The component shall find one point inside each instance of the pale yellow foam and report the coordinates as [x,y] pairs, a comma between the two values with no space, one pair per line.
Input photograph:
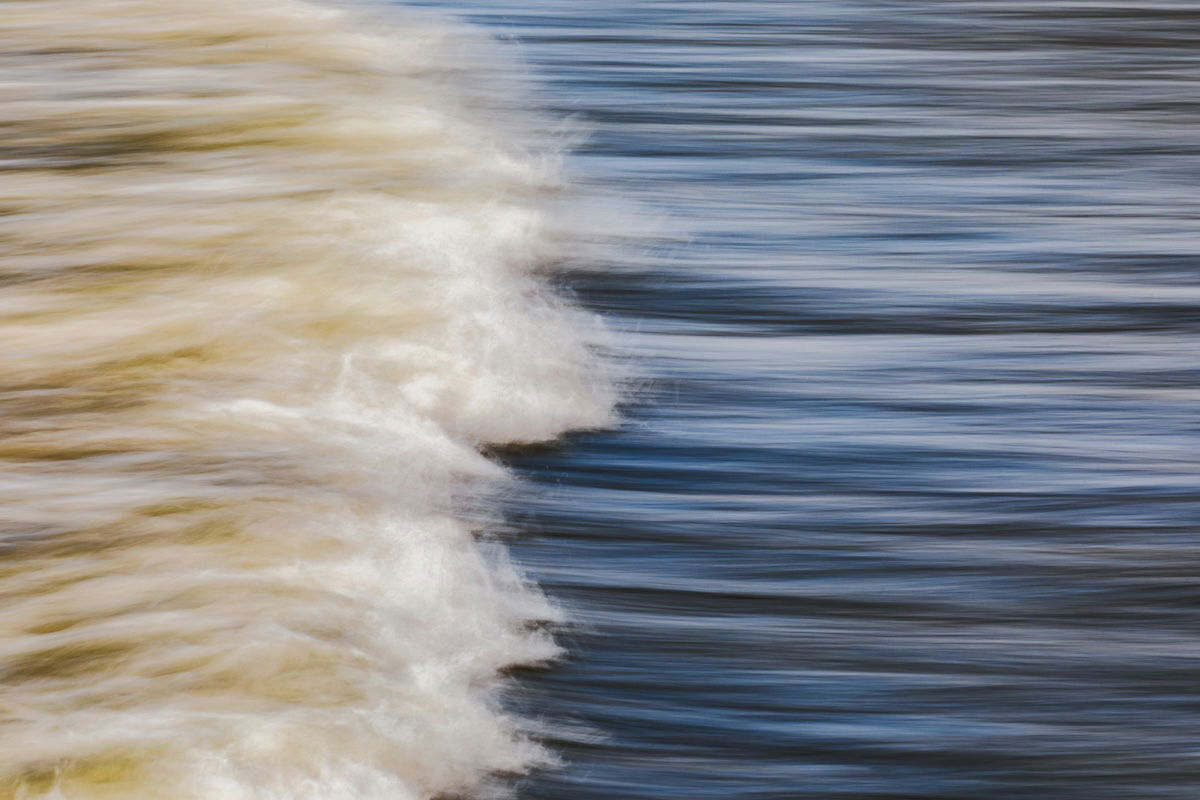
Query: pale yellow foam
[268,284]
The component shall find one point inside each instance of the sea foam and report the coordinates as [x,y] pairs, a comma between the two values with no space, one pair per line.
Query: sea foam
[273,276]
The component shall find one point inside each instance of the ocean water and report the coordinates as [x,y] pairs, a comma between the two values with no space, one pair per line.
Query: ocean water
[906,505]
[874,321]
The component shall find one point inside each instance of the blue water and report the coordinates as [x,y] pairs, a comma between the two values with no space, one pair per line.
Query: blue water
[905,503]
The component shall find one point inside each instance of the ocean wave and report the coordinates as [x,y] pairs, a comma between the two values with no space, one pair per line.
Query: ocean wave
[273,274]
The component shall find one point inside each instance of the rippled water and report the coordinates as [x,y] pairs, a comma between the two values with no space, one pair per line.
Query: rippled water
[908,505]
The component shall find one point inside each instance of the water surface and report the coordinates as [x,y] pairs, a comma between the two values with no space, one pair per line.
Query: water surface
[903,500]
[908,505]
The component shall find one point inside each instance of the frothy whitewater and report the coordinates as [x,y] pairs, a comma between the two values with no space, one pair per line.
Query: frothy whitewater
[271,279]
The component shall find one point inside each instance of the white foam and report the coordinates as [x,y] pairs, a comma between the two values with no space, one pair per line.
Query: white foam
[273,281]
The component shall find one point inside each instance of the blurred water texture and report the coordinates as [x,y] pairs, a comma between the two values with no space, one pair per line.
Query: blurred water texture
[908,506]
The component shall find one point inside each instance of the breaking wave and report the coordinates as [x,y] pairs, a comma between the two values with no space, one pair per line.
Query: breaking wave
[272,277]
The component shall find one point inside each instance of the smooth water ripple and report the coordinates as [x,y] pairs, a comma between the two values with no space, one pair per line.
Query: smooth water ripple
[908,505]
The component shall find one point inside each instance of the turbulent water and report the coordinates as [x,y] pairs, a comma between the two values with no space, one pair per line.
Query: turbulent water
[270,281]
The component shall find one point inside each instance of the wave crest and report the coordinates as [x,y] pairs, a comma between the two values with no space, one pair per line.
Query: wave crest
[271,279]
